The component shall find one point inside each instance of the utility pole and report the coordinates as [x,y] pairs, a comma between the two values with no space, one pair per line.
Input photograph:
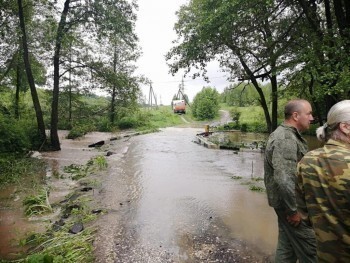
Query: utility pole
[181,92]
[152,96]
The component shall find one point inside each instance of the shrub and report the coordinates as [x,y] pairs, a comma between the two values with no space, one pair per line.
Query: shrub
[13,137]
[206,104]
[12,168]
[254,127]
[104,125]
[128,122]
[76,132]
[235,114]
[79,130]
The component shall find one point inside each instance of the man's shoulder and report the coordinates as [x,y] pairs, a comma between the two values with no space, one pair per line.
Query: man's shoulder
[283,133]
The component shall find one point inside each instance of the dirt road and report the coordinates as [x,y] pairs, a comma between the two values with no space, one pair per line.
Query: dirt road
[170,200]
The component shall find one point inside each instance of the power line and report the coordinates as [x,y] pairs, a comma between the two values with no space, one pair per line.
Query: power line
[177,81]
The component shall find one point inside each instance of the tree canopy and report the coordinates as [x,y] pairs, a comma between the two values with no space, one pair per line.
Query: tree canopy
[71,46]
[279,42]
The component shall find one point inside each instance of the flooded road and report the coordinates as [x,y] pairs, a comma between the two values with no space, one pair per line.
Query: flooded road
[167,199]
[171,200]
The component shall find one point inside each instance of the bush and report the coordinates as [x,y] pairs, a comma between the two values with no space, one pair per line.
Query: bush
[13,137]
[254,127]
[128,122]
[79,130]
[235,114]
[206,104]
[12,168]
[104,125]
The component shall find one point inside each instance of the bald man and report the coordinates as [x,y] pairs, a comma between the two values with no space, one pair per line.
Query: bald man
[284,149]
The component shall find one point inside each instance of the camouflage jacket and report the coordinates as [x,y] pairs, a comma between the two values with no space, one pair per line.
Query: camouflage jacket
[284,149]
[323,194]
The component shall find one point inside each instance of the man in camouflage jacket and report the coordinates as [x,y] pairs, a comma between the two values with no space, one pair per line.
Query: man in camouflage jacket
[323,186]
[284,148]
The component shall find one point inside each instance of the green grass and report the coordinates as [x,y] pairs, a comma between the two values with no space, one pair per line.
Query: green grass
[37,204]
[80,171]
[251,119]
[255,188]
[159,118]
[14,168]
[59,245]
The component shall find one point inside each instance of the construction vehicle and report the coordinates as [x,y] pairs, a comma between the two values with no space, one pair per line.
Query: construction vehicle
[179,106]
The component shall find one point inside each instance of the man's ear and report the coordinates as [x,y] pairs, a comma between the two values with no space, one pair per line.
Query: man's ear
[295,116]
[344,127]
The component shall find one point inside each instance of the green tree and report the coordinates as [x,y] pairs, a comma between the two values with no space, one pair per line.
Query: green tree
[251,39]
[243,95]
[323,54]
[121,86]
[30,76]
[104,18]
[206,104]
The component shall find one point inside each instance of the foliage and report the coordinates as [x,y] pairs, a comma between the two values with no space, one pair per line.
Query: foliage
[101,162]
[13,168]
[77,171]
[37,204]
[324,54]
[79,131]
[128,122]
[159,118]
[109,24]
[244,95]
[150,119]
[303,45]
[16,136]
[235,114]
[256,188]
[58,245]
[206,104]
[81,171]
[253,43]
[250,119]
[61,246]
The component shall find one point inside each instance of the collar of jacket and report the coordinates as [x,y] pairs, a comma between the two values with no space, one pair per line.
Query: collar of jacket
[338,143]
[294,130]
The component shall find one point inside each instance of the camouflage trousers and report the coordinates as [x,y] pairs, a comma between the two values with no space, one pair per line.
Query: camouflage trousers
[294,243]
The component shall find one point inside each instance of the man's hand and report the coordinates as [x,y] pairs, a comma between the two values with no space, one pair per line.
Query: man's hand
[294,219]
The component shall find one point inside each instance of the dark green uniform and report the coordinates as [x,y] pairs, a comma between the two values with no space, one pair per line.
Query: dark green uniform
[285,147]
[323,194]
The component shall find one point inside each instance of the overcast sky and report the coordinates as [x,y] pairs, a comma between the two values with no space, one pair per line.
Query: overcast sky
[154,27]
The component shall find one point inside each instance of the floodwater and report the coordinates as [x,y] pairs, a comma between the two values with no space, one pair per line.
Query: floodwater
[14,225]
[168,200]
[185,203]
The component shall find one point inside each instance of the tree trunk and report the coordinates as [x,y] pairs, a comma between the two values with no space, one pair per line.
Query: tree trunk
[112,113]
[55,142]
[36,103]
[18,85]
[114,90]
[261,94]
[342,14]
[70,95]
[274,113]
